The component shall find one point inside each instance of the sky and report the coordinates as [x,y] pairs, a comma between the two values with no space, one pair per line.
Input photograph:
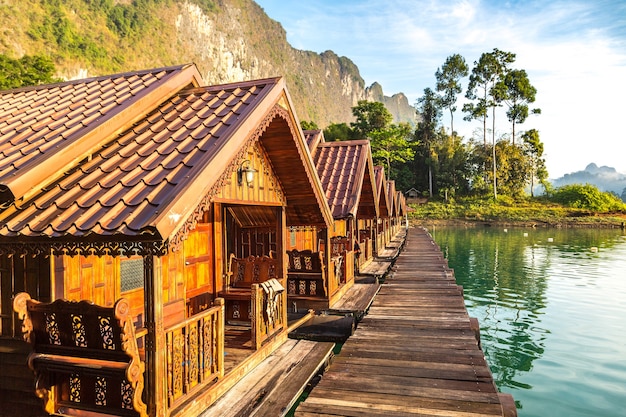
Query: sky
[574,52]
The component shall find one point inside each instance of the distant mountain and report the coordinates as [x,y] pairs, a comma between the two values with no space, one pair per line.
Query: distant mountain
[605,178]
[229,41]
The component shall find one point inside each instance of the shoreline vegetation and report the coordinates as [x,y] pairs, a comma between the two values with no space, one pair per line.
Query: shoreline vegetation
[531,213]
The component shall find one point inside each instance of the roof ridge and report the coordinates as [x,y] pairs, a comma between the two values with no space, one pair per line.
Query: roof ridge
[345,143]
[231,85]
[92,79]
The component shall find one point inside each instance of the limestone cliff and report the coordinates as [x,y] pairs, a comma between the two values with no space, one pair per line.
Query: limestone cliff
[229,40]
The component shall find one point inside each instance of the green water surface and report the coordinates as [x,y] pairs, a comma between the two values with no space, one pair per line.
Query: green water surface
[552,309]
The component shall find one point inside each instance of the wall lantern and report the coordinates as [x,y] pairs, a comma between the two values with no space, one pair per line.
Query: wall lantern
[245,171]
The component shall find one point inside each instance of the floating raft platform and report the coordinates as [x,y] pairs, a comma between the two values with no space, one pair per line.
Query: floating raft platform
[274,386]
[338,322]
[416,352]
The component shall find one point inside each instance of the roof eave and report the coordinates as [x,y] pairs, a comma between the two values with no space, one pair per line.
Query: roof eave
[36,175]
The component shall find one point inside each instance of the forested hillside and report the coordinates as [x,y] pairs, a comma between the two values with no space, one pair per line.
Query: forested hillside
[229,40]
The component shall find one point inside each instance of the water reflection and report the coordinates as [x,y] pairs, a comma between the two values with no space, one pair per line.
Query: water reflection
[541,299]
[504,287]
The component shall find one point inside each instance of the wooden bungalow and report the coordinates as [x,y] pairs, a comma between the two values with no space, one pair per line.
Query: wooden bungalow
[412,193]
[346,171]
[401,210]
[384,209]
[166,205]
[393,220]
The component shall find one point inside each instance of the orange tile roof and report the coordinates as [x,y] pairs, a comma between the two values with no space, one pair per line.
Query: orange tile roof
[346,172]
[400,204]
[381,195]
[313,138]
[150,176]
[45,128]
[391,196]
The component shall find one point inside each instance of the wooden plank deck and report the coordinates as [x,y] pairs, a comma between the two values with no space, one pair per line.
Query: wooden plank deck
[274,386]
[415,353]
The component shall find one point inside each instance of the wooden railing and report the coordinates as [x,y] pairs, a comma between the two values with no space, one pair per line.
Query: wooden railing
[269,302]
[195,353]
[335,273]
[306,275]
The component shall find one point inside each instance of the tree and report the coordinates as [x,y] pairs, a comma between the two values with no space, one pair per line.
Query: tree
[484,88]
[308,125]
[391,145]
[338,131]
[26,71]
[533,148]
[452,169]
[517,93]
[429,108]
[515,169]
[448,83]
[479,157]
[587,197]
[370,116]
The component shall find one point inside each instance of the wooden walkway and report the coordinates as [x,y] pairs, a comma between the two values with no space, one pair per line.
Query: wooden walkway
[415,353]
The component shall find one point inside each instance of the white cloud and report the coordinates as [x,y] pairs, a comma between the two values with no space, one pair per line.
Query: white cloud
[574,53]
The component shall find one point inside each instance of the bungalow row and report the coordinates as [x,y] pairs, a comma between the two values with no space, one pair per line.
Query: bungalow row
[192,219]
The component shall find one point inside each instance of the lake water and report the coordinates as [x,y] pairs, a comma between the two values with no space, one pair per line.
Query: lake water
[552,310]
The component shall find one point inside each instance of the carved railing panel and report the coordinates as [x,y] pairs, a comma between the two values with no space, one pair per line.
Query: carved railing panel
[195,353]
[268,307]
[334,273]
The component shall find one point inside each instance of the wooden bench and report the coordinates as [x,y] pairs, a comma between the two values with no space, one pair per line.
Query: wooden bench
[242,273]
[305,274]
[84,357]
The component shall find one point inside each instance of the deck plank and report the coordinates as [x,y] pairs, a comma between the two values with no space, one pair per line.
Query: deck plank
[274,385]
[415,353]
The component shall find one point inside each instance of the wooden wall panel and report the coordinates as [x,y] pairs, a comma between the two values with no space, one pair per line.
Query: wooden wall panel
[264,188]
[198,261]
[340,228]
[302,238]
[94,278]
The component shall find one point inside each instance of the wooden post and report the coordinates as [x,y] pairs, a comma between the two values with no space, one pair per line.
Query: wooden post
[281,244]
[219,330]
[219,262]
[330,276]
[155,378]
[508,405]
[255,308]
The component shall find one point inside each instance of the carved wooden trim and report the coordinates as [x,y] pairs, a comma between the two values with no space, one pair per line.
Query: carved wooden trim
[225,177]
[74,248]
